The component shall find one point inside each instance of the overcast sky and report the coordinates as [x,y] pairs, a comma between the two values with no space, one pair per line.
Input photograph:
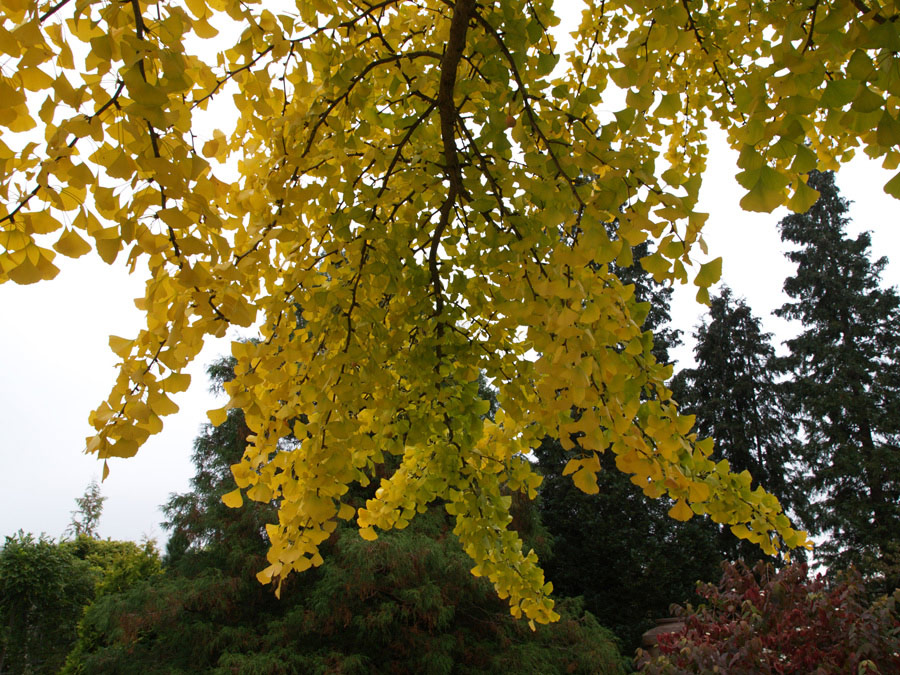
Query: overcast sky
[55,364]
[753,254]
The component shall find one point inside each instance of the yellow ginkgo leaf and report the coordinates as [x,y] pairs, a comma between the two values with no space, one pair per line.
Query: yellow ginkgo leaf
[217,416]
[72,245]
[681,511]
[233,499]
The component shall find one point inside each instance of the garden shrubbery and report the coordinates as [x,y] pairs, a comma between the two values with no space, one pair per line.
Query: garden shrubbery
[760,620]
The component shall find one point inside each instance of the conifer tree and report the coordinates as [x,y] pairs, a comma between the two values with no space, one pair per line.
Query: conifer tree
[203,532]
[86,517]
[846,369]
[734,393]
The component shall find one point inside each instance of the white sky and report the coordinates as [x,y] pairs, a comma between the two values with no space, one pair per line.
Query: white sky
[753,254]
[55,365]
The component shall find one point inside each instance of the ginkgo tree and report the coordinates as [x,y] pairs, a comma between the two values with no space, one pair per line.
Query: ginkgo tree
[425,191]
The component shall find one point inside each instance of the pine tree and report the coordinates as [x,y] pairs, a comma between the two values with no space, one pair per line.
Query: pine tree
[737,400]
[846,369]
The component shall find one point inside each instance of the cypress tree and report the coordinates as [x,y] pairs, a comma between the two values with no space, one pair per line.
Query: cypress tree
[846,385]
[737,400]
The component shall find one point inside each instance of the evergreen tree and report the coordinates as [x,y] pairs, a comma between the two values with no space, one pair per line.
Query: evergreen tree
[734,394]
[846,369]
[618,550]
[203,532]
[86,517]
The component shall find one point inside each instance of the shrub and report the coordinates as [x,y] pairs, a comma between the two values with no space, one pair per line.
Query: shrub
[43,589]
[761,621]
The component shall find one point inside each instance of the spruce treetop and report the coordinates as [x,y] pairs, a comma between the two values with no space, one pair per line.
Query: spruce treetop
[845,383]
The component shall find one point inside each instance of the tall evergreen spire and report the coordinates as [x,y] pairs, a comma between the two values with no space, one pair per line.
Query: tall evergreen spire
[737,400]
[846,370]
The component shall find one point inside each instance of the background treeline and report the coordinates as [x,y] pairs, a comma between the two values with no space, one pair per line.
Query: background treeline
[817,426]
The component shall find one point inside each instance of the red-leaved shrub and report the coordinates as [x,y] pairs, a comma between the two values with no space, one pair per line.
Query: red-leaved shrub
[761,621]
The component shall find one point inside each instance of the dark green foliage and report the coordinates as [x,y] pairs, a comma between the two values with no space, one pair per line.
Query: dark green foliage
[846,385]
[405,603]
[43,588]
[617,549]
[203,531]
[762,621]
[168,625]
[734,394]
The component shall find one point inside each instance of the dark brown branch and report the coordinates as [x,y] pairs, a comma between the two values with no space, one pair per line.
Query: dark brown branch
[50,12]
[486,171]
[456,42]
[120,85]
[154,138]
[693,27]
[702,43]
[231,73]
[400,146]
[216,311]
[71,144]
[268,228]
[463,11]
[363,256]
[434,268]
[812,27]
[876,17]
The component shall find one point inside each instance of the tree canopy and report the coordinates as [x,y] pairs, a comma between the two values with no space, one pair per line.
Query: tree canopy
[736,398]
[43,591]
[410,176]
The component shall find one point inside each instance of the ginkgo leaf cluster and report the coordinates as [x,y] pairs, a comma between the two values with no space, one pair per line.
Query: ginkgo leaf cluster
[425,191]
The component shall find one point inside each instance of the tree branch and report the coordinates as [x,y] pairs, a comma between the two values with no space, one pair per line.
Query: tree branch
[50,12]
[812,27]
[356,80]
[876,17]
[463,11]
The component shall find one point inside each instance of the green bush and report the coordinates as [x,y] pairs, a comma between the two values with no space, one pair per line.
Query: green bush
[43,590]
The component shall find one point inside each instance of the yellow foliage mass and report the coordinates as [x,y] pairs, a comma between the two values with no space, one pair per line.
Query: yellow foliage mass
[437,197]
